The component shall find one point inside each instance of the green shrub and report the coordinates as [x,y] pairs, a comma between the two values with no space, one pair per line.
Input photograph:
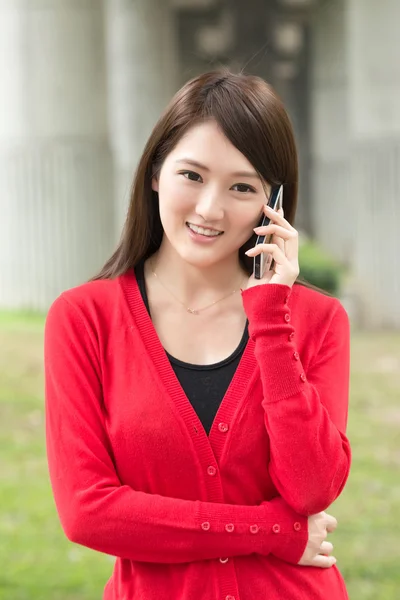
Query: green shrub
[319,268]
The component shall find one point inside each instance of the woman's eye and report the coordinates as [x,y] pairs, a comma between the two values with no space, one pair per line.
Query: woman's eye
[191,175]
[243,188]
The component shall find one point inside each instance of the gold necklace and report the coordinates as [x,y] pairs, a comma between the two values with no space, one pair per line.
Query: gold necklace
[192,311]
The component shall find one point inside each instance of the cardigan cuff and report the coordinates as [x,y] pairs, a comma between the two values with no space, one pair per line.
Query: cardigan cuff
[273,527]
[290,532]
[266,300]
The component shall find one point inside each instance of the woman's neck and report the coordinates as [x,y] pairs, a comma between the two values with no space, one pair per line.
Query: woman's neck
[192,284]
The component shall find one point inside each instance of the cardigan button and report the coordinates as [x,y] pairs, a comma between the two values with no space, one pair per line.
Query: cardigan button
[303,377]
[223,427]
[254,529]
[276,528]
[291,336]
[212,471]
[296,356]
[230,527]
[297,526]
[287,317]
[229,597]
[223,560]
[206,526]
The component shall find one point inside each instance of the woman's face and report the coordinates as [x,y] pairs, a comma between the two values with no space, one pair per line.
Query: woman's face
[210,197]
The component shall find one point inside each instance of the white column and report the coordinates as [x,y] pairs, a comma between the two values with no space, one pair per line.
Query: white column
[55,164]
[142,68]
[374,121]
[356,125]
[331,204]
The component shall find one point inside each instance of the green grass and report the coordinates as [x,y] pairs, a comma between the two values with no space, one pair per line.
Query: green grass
[367,541]
[38,563]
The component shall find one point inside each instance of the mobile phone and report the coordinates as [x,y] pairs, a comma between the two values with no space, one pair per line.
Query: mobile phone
[263,262]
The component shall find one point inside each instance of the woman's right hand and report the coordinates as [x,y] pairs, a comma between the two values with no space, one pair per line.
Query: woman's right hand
[318,552]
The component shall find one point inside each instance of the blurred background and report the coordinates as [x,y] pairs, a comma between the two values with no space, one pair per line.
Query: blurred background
[82,84]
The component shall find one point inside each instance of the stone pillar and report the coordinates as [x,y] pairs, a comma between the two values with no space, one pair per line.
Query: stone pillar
[291,79]
[142,71]
[55,164]
[356,149]
[301,121]
[374,123]
[332,205]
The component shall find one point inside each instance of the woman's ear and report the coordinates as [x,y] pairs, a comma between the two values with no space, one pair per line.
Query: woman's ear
[154,183]
[154,179]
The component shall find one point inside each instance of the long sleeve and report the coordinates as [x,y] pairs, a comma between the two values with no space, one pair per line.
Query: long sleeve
[305,412]
[97,510]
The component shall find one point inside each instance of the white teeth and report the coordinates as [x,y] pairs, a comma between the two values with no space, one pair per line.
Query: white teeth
[202,231]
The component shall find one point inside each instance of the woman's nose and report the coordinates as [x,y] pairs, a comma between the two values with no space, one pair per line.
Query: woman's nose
[209,206]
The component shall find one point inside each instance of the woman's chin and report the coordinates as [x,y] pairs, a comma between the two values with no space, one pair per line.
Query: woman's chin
[201,259]
[199,255]
[200,263]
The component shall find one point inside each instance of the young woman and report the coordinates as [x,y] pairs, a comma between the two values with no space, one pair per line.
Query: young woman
[196,416]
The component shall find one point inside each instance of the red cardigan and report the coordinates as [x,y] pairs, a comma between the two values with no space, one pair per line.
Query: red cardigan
[191,516]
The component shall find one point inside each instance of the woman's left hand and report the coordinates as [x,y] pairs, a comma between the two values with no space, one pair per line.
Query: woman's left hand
[284,250]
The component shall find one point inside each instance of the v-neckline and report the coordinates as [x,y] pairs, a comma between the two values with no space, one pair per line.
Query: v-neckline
[234,394]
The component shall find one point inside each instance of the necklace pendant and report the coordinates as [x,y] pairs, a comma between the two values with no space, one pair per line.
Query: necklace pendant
[192,311]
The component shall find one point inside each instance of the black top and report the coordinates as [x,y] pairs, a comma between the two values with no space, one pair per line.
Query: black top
[204,385]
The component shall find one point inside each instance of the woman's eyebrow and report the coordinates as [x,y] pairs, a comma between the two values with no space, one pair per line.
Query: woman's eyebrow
[195,163]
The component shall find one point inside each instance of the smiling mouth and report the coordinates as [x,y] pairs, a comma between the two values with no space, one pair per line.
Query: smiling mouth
[204,230]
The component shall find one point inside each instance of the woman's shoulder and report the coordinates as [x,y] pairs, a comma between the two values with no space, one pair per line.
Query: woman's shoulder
[95,301]
[95,292]
[315,304]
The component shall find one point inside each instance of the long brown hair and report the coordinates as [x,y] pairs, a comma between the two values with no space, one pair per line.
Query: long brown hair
[254,120]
